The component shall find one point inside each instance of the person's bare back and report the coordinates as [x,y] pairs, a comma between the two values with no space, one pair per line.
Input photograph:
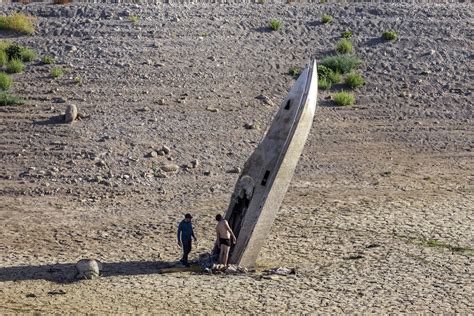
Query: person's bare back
[222,229]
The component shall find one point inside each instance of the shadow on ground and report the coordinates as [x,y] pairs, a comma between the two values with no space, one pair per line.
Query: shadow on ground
[66,272]
[58,119]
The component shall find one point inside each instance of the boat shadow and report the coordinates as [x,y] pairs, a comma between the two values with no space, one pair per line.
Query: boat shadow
[66,272]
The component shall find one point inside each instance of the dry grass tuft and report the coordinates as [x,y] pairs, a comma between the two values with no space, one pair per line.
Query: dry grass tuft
[17,22]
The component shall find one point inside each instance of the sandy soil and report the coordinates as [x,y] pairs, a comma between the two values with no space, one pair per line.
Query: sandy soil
[379,214]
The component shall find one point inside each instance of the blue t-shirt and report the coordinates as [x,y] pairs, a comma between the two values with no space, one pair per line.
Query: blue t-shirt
[185,231]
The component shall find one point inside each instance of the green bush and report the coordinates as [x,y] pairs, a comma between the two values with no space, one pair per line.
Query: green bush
[27,54]
[326,19]
[17,22]
[328,74]
[4,44]
[344,46]
[6,99]
[346,34]
[57,72]
[14,51]
[3,58]
[15,66]
[389,35]
[294,71]
[334,77]
[275,24]
[5,81]
[324,84]
[134,18]
[47,60]
[341,63]
[343,98]
[354,80]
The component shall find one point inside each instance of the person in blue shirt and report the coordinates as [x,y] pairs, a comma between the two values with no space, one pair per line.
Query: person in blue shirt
[185,233]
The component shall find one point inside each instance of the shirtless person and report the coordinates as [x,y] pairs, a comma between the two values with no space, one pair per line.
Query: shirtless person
[225,238]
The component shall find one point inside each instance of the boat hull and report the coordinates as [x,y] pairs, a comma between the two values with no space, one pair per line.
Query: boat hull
[266,175]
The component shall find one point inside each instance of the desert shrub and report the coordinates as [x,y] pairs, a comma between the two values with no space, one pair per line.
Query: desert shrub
[341,63]
[134,18]
[4,44]
[344,46]
[354,80]
[324,84]
[15,66]
[27,54]
[326,19]
[389,35]
[78,79]
[3,58]
[5,81]
[7,99]
[57,72]
[328,74]
[47,60]
[14,51]
[343,98]
[346,34]
[62,1]
[17,22]
[334,77]
[275,24]
[323,71]
[294,71]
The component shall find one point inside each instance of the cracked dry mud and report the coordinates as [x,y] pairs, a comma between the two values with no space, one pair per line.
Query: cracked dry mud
[379,214]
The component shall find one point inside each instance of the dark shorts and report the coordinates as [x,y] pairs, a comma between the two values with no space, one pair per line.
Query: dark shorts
[224,241]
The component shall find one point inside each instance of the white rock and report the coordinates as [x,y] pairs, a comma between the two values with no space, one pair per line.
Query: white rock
[88,269]
[170,168]
[71,113]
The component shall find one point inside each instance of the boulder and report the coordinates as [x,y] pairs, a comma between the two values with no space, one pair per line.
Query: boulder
[71,113]
[88,269]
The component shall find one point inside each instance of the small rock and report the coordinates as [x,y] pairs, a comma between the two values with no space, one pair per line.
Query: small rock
[152,154]
[161,102]
[265,99]
[234,170]
[166,149]
[71,113]
[58,100]
[161,153]
[71,48]
[212,109]
[281,271]
[251,126]
[101,163]
[194,163]
[170,168]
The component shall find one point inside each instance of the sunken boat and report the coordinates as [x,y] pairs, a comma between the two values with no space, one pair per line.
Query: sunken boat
[266,175]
